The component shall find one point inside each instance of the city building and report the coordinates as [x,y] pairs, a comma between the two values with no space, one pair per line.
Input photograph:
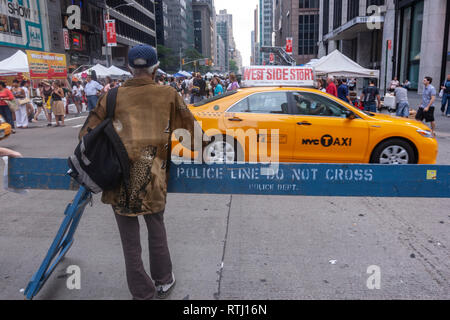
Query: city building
[224,28]
[265,29]
[41,30]
[403,38]
[256,56]
[221,63]
[135,24]
[421,45]
[298,20]
[162,22]
[179,13]
[204,27]
[85,44]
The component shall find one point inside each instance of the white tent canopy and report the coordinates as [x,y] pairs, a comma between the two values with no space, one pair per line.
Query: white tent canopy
[338,65]
[115,71]
[18,62]
[100,71]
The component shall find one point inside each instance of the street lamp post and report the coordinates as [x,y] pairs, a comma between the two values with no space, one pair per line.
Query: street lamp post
[106,40]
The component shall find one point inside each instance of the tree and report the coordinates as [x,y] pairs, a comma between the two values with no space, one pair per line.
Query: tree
[169,61]
[233,66]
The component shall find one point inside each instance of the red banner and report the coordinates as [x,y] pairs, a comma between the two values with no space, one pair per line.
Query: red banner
[289,45]
[111,35]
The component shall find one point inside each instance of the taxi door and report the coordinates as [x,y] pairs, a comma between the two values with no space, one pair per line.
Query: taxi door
[324,133]
[263,112]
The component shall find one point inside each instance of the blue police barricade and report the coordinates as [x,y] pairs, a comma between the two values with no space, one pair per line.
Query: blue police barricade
[341,180]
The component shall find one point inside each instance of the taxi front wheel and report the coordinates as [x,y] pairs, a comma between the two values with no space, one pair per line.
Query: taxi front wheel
[394,151]
[221,150]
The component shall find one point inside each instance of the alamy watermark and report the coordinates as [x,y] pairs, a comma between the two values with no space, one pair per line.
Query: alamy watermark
[74,279]
[374,280]
[374,17]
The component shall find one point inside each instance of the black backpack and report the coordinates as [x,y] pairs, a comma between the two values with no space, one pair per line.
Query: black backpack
[100,161]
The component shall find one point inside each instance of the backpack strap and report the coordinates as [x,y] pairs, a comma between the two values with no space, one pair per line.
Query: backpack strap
[111,100]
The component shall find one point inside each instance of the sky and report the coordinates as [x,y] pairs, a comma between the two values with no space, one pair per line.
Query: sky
[242,11]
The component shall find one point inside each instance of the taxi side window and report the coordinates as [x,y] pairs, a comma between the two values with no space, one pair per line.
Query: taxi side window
[311,104]
[269,102]
[265,102]
[241,106]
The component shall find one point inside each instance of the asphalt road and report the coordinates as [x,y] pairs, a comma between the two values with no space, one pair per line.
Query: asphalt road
[235,247]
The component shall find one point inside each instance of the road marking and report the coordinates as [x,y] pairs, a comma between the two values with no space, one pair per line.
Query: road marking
[78,126]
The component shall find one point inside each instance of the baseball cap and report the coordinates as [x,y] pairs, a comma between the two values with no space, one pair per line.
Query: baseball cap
[142,56]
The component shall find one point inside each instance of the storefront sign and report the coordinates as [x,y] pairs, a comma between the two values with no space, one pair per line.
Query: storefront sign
[111,35]
[277,76]
[20,24]
[47,65]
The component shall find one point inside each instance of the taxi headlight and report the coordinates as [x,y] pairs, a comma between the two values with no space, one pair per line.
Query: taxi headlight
[425,133]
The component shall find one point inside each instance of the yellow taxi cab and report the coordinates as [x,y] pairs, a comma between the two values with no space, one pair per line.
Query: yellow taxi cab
[5,128]
[307,125]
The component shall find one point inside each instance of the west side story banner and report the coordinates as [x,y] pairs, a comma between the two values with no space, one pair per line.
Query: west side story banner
[21,24]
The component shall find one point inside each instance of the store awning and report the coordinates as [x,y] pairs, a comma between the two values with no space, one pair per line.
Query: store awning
[351,29]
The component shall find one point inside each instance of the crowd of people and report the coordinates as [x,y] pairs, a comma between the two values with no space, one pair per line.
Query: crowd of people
[197,88]
[52,98]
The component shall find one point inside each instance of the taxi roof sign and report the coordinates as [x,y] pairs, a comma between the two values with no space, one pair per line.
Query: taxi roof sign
[257,76]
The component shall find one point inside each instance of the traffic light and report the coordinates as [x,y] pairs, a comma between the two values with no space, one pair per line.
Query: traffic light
[206,62]
[182,61]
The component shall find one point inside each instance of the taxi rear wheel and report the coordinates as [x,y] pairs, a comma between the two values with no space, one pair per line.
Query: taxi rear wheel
[221,150]
[394,151]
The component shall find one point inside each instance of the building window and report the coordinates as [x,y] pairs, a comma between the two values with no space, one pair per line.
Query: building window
[308,4]
[337,14]
[411,41]
[326,17]
[308,34]
[375,3]
[353,9]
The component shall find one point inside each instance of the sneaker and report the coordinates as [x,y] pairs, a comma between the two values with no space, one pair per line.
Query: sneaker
[165,290]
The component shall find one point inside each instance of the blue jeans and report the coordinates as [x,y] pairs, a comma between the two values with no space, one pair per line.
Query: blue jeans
[7,115]
[370,106]
[445,101]
[403,110]
[92,102]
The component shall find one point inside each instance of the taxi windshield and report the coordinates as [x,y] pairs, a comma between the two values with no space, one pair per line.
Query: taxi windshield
[215,98]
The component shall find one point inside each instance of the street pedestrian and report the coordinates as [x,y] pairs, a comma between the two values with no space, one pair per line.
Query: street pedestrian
[426,109]
[371,97]
[394,84]
[331,87]
[401,100]
[407,84]
[6,94]
[234,85]
[21,113]
[146,133]
[218,88]
[109,85]
[199,89]
[58,104]
[77,96]
[321,85]
[39,101]
[46,94]
[343,92]
[446,97]
[91,90]
[25,85]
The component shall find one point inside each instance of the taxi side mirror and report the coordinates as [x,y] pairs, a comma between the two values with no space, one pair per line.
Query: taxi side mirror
[350,115]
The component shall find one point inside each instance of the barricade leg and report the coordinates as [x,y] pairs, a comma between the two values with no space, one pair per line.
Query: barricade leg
[61,244]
